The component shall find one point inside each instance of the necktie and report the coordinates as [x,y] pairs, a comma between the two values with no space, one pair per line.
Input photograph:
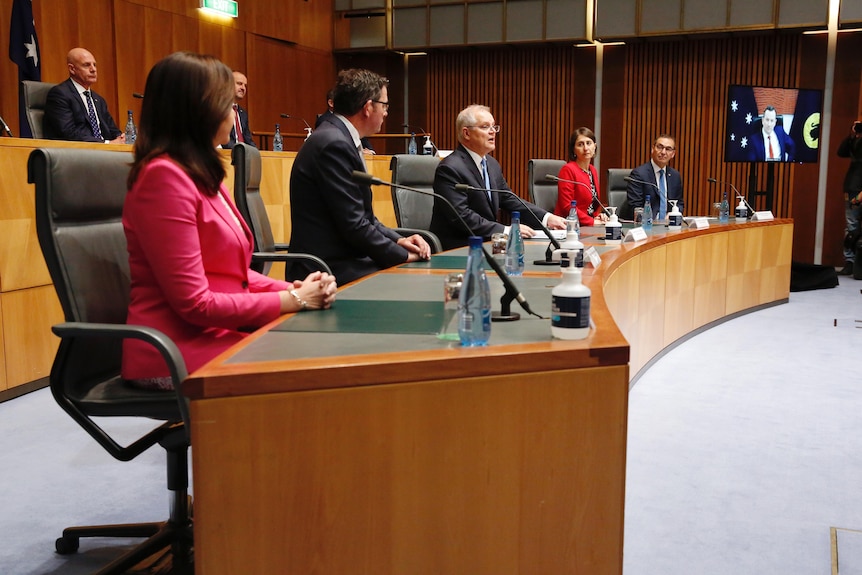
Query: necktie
[772,154]
[91,112]
[662,195]
[361,156]
[486,178]
[236,125]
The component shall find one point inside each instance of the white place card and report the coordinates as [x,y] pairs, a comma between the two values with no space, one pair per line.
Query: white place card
[764,216]
[591,255]
[635,235]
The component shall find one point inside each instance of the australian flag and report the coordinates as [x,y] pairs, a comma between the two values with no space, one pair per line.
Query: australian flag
[24,51]
[742,118]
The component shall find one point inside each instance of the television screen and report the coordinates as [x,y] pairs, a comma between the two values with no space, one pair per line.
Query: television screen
[772,124]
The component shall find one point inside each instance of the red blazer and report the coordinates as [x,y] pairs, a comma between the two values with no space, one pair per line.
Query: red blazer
[189,255]
[567,192]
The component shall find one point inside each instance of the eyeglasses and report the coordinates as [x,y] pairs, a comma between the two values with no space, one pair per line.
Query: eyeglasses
[486,128]
[384,104]
[667,149]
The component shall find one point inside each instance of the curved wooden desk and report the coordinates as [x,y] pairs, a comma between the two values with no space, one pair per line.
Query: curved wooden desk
[322,451]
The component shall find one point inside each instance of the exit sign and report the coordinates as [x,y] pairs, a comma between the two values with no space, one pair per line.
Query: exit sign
[226,7]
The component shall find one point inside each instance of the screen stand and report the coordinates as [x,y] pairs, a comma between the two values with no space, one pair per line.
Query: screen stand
[770,185]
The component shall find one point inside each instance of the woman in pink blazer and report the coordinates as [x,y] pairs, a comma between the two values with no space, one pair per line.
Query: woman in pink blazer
[189,249]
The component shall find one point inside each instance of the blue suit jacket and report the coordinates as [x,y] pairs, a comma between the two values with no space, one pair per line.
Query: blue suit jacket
[66,117]
[475,208]
[637,192]
[757,149]
[246,131]
[331,216]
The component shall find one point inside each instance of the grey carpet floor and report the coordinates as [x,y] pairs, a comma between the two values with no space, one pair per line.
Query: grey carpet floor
[744,452]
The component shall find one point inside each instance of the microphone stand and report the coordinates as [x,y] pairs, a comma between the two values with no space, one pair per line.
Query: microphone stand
[511,293]
[549,254]
[735,191]
[6,127]
[637,181]
[307,127]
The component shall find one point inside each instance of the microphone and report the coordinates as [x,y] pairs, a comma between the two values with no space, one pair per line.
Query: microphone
[137,95]
[549,254]
[512,292]
[414,129]
[637,181]
[554,178]
[735,191]
[6,127]
[307,127]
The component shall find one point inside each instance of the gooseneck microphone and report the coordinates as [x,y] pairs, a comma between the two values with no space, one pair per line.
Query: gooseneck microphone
[137,95]
[6,127]
[307,127]
[735,191]
[637,181]
[549,254]
[512,292]
[554,178]
[414,129]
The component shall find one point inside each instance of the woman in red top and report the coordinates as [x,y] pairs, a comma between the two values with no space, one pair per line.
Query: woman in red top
[582,150]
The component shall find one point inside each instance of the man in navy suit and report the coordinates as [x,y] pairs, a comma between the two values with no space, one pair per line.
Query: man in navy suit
[240,117]
[331,215]
[73,111]
[477,137]
[655,177]
[771,143]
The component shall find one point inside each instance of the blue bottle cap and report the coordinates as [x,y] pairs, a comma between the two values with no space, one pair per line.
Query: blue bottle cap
[475,241]
[516,215]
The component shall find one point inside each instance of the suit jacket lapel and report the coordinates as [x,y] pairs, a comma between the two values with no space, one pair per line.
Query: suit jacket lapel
[478,180]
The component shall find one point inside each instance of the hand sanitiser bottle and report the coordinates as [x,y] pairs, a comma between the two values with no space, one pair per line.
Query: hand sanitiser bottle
[570,303]
[474,301]
[614,229]
[674,218]
[741,211]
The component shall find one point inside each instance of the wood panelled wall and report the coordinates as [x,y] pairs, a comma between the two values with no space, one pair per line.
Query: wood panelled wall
[285,49]
[540,94]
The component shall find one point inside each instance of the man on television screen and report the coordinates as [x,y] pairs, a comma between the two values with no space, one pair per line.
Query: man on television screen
[772,144]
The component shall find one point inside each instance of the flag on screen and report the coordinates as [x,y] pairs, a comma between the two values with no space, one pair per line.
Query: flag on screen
[24,51]
[805,130]
[743,119]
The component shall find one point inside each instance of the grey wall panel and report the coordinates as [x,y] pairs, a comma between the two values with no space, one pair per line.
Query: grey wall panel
[447,26]
[851,12]
[485,23]
[803,12]
[405,3]
[660,16]
[615,19]
[368,4]
[707,14]
[524,20]
[368,32]
[341,5]
[747,13]
[566,19]
[409,27]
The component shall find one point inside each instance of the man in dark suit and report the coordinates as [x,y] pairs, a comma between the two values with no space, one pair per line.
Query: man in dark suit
[655,178]
[477,135]
[771,143]
[73,111]
[240,116]
[331,215]
[367,148]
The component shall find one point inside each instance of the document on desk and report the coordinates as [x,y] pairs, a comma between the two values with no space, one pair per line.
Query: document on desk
[370,316]
[559,235]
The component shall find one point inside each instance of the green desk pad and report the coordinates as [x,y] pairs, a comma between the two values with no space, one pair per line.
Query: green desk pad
[439,262]
[370,316]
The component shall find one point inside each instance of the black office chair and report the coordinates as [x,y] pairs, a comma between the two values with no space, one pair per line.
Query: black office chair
[543,192]
[617,195]
[246,193]
[79,203]
[34,95]
[412,210]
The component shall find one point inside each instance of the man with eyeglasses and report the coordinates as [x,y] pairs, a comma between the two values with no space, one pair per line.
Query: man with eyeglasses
[657,180]
[331,215]
[472,165]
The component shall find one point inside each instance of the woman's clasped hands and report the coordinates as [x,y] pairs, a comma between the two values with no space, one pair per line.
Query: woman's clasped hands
[316,291]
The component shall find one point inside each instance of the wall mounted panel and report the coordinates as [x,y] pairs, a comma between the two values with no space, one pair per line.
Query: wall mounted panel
[524,20]
[485,23]
[409,27]
[566,19]
[447,25]
[813,13]
[704,14]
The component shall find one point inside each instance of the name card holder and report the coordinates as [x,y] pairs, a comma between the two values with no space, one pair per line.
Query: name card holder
[764,216]
[635,235]
[697,223]
[591,254]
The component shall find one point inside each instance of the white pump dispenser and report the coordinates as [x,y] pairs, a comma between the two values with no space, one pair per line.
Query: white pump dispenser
[570,303]
[741,211]
[613,228]
[674,218]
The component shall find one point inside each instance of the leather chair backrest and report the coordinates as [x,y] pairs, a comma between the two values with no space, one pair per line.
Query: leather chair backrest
[543,192]
[34,95]
[246,192]
[413,210]
[617,186]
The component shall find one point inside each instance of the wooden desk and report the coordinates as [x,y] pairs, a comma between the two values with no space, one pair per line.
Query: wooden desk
[393,454]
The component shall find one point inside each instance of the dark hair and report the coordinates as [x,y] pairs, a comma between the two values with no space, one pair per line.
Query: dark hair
[574,138]
[666,137]
[354,88]
[186,98]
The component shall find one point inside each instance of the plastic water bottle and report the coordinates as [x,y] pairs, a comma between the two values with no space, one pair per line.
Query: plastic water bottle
[411,146]
[573,222]
[724,210]
[647,225]
[131,130]
[474,301]
[515,248]
[428,147]
[277,141]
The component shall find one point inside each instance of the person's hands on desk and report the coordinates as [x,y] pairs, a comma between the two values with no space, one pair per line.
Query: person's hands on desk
[316,291]
[555,222]
[417,248]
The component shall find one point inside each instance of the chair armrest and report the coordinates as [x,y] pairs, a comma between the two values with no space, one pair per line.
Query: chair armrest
[163,344]
[430,237]
[313,261]
[281,247]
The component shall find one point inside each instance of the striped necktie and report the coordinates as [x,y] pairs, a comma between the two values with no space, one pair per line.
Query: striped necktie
[486,178]
[91,113]
[662,194]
